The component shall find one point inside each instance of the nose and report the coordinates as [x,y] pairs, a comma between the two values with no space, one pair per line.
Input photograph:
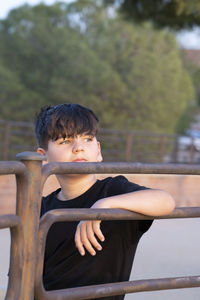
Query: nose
[77,146]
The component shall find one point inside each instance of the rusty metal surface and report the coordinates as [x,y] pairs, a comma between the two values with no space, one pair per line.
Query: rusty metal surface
[26,263]
[61,215]
[119,168]
[121,288]
[16,255]
[12,167]
[17,234]
[9,221]
[28,209]
[28,176]
[28,155]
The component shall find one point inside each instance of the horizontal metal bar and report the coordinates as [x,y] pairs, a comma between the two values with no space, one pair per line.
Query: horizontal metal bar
[30,156]
[16,255]
[12,167]
[92,214]
[9,221]
[122,288]
[60,215]
[119,168]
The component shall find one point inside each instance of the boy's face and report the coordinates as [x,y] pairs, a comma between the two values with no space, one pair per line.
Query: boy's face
[82,148]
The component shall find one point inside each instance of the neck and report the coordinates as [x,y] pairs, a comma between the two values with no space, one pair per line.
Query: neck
[74,185]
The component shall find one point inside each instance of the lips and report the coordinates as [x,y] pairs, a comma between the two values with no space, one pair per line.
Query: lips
[80,160]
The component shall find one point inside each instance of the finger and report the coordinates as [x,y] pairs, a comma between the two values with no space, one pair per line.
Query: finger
[78,242]
[97,230]
[91,236]
[84,238]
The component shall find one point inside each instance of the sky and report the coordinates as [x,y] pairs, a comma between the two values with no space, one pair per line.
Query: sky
[187,39]
[6,5]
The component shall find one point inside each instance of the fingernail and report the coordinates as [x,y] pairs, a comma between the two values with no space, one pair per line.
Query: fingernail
[99,248]
[82,253]
[93,253]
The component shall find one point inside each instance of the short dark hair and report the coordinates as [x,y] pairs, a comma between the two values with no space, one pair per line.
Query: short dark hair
[64,120]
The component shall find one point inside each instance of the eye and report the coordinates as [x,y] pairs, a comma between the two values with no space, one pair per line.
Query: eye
[65,142]
[88,138]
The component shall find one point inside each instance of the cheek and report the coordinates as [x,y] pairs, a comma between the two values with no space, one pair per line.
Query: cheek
[55,155]
[97,153]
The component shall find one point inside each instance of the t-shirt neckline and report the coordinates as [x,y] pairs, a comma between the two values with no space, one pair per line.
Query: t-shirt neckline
[64,202]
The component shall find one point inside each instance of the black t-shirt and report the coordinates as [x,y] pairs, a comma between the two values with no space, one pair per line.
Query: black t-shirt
[64,267]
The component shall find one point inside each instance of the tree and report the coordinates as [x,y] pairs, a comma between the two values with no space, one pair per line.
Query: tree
[174,14]
[132,76]
[148,61]
[13,96]
[53,60]
[193,107]
[194,70]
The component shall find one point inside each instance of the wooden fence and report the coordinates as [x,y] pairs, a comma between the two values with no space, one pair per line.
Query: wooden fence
[117,145]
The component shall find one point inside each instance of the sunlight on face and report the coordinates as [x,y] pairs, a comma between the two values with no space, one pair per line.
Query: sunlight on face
[74,149]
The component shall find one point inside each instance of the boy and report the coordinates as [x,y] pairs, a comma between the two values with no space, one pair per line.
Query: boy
[82,253]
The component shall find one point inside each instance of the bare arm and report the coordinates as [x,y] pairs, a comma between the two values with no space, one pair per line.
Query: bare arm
[148,202]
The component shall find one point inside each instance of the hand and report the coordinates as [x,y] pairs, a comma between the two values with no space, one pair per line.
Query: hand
[86,233]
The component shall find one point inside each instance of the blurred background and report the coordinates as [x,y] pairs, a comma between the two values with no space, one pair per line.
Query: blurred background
[136,63]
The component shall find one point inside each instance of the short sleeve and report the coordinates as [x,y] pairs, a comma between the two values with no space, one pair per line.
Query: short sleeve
[121,185]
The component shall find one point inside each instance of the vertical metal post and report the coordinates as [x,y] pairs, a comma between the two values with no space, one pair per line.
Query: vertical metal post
[16,257]
[175,151]
[28,209]
[192,151]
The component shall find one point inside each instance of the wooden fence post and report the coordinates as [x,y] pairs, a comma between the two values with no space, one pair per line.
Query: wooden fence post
[129,144]
[162,144]
[6,141]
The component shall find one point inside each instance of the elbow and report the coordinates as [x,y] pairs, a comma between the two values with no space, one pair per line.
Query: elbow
[165,204]
[169,204]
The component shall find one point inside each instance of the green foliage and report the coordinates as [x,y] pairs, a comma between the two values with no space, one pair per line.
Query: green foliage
[174,14]
[194,71]
[193,107]
[187,118]
[131,76]
[158,88]
[14,96]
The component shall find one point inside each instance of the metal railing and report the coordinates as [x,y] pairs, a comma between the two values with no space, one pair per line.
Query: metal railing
[17,236]
[28,232]
[117,145]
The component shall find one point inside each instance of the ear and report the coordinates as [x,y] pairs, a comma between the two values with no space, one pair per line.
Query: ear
[99,156]
[42,151]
